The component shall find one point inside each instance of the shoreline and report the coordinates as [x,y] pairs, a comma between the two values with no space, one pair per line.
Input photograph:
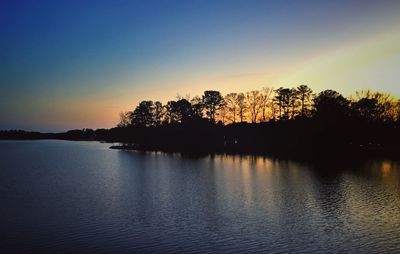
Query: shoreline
[322,154]
[340,156]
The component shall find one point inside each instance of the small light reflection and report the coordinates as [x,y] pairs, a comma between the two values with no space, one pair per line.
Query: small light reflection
[386,167]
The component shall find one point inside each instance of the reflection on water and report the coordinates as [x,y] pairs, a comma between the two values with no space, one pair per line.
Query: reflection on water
[386,167]
[81,196]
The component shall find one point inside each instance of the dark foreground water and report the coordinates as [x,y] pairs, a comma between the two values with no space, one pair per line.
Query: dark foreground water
[60,196]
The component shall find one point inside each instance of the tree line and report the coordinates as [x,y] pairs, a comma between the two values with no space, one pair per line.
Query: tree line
[285,122]
[265,105]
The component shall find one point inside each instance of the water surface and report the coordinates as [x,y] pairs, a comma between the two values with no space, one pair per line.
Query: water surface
[64,197]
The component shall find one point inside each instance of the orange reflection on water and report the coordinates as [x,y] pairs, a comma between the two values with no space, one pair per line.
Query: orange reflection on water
[386,167]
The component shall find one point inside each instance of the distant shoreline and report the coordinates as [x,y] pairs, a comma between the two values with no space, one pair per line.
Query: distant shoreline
[346,155]
[301,139]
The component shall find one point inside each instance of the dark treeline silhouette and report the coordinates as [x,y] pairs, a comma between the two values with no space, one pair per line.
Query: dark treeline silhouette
[284,121]
[291,122]
[82,135]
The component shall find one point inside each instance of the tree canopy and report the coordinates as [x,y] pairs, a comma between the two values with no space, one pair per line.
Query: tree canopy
[266,105]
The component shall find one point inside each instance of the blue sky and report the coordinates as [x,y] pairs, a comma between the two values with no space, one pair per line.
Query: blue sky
[76,64]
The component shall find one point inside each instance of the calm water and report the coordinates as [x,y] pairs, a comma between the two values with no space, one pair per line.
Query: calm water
[60,196]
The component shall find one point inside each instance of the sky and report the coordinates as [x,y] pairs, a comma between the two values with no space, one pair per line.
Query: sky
[77,64]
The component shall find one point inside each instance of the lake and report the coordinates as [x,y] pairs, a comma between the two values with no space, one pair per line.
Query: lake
[68,197]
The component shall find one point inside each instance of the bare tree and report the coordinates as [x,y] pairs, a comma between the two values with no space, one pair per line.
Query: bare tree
[124,119]
[253,99]
[231,100]
[223,113]
[241,103]
[266,93]
[180,97]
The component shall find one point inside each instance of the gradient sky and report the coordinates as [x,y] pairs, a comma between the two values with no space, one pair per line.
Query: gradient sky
[77,64]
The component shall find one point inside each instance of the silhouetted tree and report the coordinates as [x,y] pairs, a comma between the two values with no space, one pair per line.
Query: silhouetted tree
[275,109]
[143,115]
[368,109]
[158,113]
[179,111]
[231,101]
[185,109]
[386,103]
[223,113]
[172,115]
[396,110]
[124,119]
[241,103]
[294,101]
[197,106]
[266,94]
[180,97]
[304,95]
[212,101]
[286,99]
[253,99]
[332,105]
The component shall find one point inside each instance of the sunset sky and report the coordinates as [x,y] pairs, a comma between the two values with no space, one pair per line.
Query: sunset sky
[77,64]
